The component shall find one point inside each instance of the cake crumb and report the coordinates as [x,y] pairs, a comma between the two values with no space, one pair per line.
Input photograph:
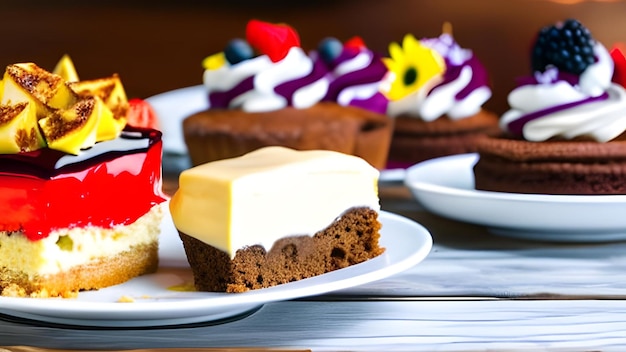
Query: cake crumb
[126,299]
[187,286]
[13,290]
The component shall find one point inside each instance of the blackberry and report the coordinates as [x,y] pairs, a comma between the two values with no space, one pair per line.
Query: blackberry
[568,47]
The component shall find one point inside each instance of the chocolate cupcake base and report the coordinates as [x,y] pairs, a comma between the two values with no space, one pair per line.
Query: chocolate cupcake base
[415,140]
[221,134]
[553,167]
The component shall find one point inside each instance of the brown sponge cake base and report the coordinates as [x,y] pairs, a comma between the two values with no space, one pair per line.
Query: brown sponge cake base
[100,273]
[552,167]
[220,134]
[351,239]
[415,140]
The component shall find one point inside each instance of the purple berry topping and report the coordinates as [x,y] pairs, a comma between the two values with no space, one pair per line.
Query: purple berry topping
[567,46]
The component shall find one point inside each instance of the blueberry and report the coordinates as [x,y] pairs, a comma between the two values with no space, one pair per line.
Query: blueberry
[329,49]
[238,50]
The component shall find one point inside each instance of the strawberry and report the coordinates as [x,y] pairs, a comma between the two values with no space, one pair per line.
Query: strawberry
[355,42]
[141,114]
[619,73]
[273,40]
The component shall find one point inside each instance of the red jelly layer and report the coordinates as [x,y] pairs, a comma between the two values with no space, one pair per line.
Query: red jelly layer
[113,184]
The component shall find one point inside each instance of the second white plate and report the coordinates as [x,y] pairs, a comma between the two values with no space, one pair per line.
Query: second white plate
[445,186]
[172,108]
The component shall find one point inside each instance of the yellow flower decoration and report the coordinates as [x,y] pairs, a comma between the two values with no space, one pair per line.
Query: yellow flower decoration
[412,65]
[214,61]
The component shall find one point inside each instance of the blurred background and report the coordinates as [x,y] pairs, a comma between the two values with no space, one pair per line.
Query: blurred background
[156,46]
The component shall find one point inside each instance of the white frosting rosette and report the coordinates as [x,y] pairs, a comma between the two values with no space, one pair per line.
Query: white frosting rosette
[592,107]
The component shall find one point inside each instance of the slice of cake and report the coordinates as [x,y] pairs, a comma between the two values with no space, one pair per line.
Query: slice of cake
[276,215]
[80,192]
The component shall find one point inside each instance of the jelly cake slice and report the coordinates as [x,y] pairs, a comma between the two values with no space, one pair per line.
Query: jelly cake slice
[70,223]
[80,191]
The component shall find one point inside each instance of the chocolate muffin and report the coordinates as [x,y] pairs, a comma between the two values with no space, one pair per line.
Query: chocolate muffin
[415,140]
[217,134]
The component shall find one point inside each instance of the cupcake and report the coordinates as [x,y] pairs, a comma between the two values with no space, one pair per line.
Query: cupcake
[565,127]
[267,91]
[436,91]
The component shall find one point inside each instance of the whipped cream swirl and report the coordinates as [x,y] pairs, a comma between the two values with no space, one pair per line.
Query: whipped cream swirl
[556,104]
[357,78]
[258,84]
[459,93]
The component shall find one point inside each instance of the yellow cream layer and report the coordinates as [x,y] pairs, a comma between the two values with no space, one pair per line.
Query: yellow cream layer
[66,248]
[270,193]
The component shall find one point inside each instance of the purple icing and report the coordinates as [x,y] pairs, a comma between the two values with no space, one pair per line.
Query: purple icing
[288,89]
[371,74]
[221,100]
[516,126]
[376,103]
[550,76]
[479,76]
[348,53]
[393,164]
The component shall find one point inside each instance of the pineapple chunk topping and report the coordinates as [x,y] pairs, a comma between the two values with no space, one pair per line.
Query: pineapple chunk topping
[48,88]
[40,108]
[65,68]
[73,129]
[18,129]
[109,89]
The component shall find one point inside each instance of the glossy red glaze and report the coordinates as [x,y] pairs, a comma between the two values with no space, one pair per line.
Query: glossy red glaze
[111,190]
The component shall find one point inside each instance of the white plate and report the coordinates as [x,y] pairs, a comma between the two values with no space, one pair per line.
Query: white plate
[445,186]
[171,108]
[392,175]
[156,304]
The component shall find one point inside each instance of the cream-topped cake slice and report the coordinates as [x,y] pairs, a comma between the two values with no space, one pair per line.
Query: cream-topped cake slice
[272,194]
[250,197]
